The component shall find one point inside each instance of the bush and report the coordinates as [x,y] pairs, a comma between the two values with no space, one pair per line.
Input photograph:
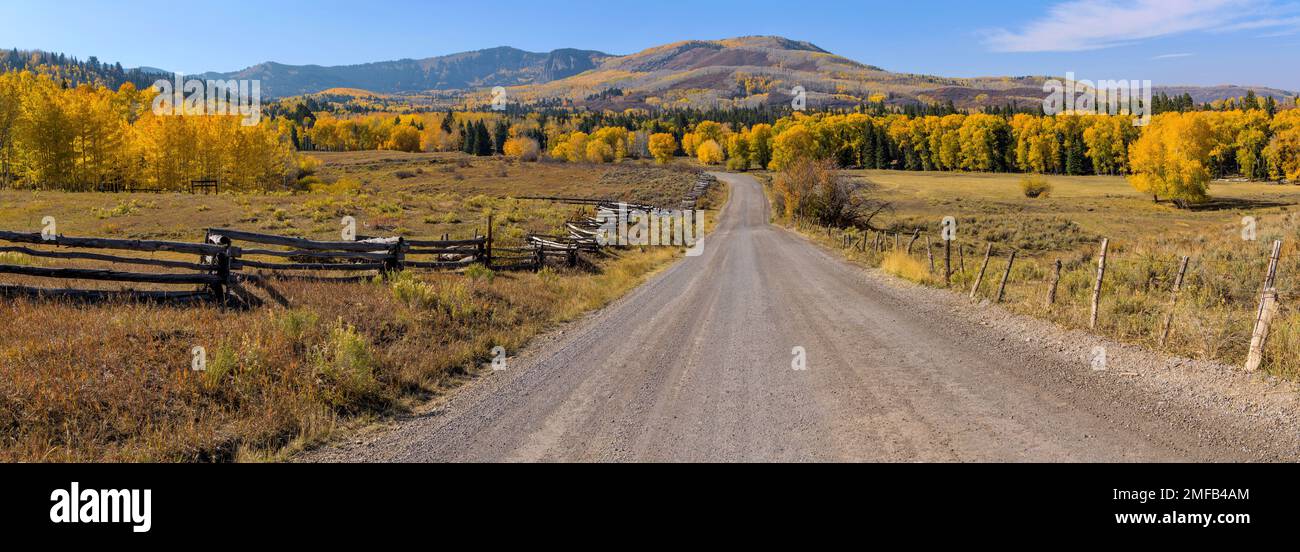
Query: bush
[479,272]
[346,367]
[1035,186]
[906,267]
[524,149]
[342,186]
[307,165]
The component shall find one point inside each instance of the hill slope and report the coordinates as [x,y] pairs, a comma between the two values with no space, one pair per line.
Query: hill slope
[744,71]
[750,71]
[503,66]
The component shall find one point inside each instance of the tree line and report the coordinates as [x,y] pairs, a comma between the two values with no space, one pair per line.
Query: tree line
[90,137]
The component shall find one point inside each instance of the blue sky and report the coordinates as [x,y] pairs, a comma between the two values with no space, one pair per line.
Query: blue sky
[1254,42]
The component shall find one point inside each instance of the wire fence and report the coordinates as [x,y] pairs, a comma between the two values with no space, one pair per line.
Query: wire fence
[1236,303]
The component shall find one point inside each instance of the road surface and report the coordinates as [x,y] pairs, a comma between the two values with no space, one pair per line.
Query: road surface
[696,365]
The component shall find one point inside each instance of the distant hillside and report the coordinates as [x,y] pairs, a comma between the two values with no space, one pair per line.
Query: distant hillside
[502,66]
[737,72]
[752,71]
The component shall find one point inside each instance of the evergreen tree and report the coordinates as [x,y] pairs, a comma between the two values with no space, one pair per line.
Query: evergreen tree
[500,133]
[467,137]
[482,140]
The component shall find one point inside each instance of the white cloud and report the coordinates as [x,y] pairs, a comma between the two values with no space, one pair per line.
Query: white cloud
[1079,25]
[1172,56]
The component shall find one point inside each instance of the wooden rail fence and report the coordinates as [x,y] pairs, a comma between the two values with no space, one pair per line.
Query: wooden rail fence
[226,255]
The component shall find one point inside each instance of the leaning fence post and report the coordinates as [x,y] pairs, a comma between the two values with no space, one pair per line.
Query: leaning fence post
[1096,287]
[915,236]
[1002,289]
[1268,307]
[1051,288]
[980,277]
[1270,275]
[1173,301]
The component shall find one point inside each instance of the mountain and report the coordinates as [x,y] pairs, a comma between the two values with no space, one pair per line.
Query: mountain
[745,71]
[758,70]
[503,66]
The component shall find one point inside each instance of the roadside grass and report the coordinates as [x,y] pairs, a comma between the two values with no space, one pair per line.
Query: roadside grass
[1216,309]
[113,381]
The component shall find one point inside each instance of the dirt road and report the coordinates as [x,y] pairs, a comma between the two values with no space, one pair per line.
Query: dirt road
[696,365]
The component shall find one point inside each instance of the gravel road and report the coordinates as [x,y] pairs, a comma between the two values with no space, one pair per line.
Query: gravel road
[696,365]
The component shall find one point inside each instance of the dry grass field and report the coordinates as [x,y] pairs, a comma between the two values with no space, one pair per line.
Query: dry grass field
[112,382]
[1216,309]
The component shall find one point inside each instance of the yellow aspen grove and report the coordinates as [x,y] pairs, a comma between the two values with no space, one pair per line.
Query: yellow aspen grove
[404,138]
[1283,152]
[599,152]
[1170,158]
[709,153]
[738,151]
[617,138]
[760,145]
[524,149]
[689,143]
[662,147]
[793,145]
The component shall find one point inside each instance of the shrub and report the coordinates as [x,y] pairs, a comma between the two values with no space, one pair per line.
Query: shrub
[1035,186]
[346,366]
[905,266]
[479,272]
[342,186]
[524,149]
[15,259]
[307,165]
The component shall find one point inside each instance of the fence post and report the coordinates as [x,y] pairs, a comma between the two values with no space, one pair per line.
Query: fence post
[1270,276]
[929,253]
[396,258]
[221,267]
[916,236]
[980,278]
[541,257]
[1002,289]
[896,241]
[947,262]
[1268,307]
[1173,301]
[961,256]
[1096,287]
[1051,288]
[487,262]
